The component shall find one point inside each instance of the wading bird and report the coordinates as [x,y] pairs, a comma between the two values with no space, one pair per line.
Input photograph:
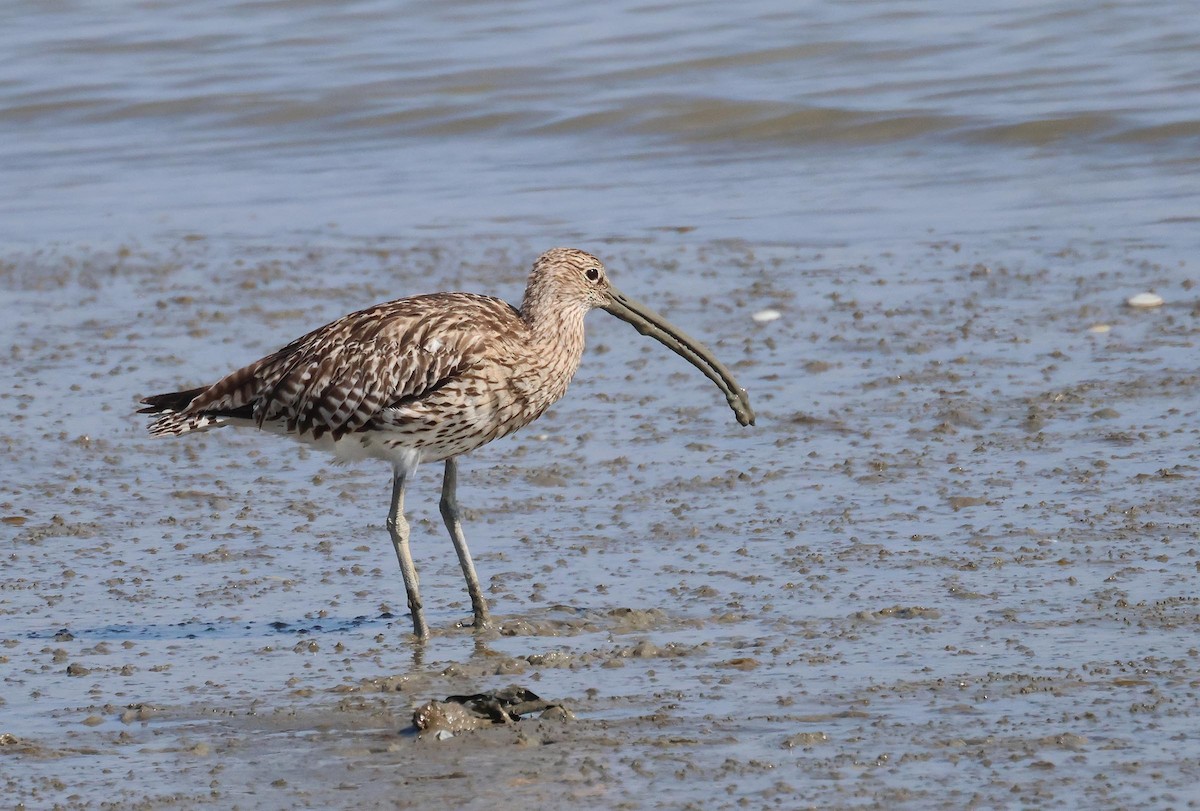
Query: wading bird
[428,378]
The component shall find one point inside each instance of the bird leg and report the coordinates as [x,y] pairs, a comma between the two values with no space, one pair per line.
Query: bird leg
[450,514]
[398,528]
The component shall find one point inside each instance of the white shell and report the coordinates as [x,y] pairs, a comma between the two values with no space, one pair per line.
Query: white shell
[766,316]
[1145,300]
[1100,329]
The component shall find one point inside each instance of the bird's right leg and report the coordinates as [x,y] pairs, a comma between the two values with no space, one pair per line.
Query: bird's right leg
[398,528]
[453,519]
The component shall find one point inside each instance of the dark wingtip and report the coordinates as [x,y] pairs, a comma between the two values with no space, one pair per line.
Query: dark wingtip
[171,401]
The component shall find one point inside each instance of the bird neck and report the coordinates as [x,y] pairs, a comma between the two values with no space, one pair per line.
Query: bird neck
[553,320]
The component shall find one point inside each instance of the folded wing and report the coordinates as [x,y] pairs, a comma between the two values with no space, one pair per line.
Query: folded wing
[338,378]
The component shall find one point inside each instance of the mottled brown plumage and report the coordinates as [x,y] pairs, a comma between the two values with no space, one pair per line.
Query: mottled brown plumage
[428,378]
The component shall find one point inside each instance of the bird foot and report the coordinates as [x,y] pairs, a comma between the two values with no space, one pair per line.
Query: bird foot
[479,623]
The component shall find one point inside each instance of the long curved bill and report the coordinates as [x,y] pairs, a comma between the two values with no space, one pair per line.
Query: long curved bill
[650,323]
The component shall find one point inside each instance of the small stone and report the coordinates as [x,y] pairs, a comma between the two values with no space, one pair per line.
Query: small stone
[766,316]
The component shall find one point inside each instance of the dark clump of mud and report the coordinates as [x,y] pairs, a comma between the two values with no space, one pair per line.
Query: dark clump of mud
[482,710]
[954,565]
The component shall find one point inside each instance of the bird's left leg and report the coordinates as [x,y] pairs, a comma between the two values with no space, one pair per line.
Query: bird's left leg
[398,528]
[450,514]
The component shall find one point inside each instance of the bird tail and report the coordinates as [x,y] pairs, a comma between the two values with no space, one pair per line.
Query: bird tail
[176,419]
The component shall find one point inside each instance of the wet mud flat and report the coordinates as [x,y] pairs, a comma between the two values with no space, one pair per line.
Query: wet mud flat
[955,564]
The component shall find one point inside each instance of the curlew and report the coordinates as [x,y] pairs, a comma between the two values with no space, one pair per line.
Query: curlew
[429,378]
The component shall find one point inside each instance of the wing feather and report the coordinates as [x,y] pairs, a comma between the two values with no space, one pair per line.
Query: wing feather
[339,378]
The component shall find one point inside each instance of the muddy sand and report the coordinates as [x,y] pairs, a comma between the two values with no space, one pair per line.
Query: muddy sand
[955,565]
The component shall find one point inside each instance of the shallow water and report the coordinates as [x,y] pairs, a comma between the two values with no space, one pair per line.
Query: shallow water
[954,564]
[852,123]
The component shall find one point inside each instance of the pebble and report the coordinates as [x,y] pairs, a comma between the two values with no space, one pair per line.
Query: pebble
[1145,300]
[766,316]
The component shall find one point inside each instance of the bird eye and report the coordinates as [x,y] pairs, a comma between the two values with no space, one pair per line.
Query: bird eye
[593,274]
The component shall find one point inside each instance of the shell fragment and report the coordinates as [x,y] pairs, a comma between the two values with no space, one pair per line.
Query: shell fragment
[1145,300]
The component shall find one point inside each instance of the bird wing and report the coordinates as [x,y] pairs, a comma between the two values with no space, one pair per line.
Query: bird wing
[338,378]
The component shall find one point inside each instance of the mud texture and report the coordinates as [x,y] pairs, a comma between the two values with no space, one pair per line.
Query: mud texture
[955,565]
